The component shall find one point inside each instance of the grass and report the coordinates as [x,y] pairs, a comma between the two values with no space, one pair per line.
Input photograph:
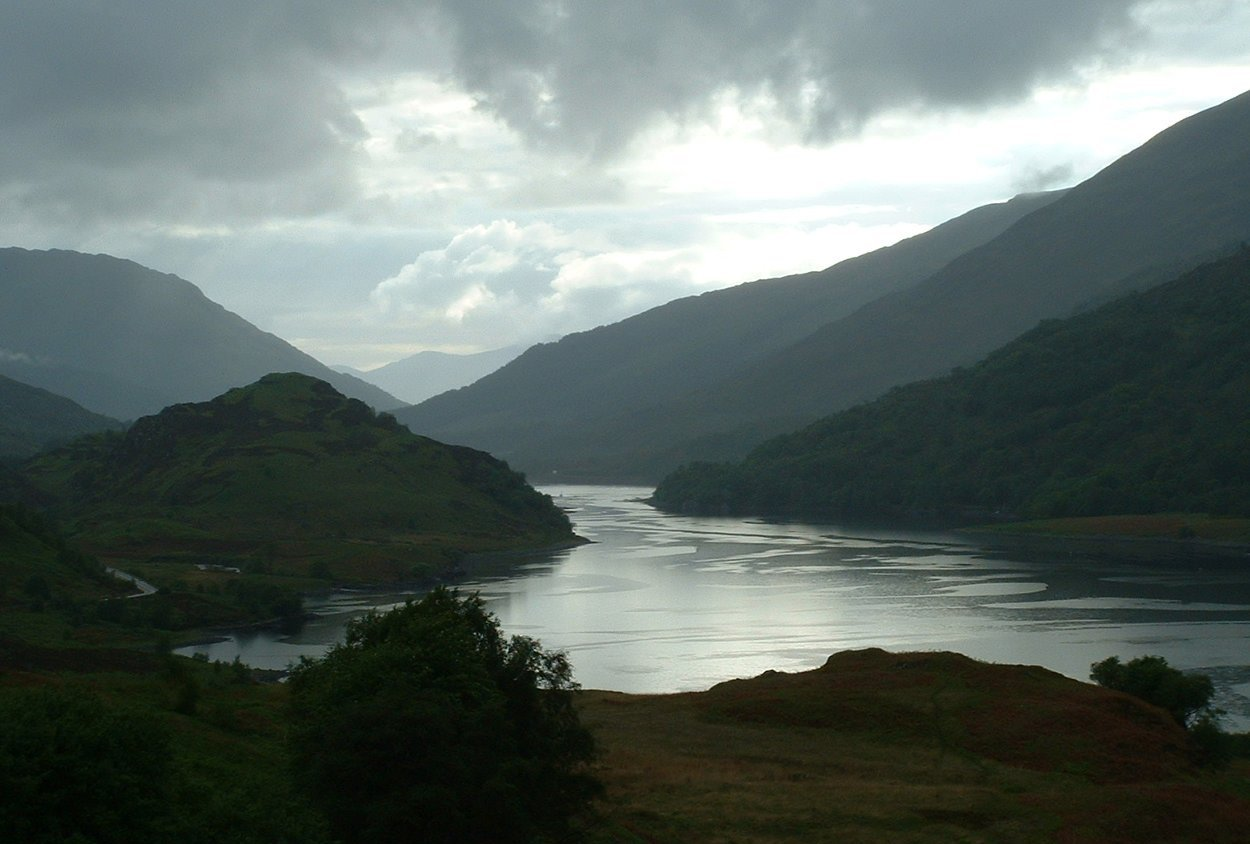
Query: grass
[907,748]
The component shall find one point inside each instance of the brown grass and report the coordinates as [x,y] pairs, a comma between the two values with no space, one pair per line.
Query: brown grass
[902,747]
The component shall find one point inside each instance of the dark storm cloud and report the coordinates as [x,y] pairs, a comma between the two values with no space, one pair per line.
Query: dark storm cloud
[181,111]
[127,106]
[587,76]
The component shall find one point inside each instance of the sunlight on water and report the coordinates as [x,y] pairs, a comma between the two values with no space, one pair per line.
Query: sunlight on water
[660,603]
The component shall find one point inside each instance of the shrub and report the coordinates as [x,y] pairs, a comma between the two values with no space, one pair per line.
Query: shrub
[1185,696]
[427,724]
[75,769]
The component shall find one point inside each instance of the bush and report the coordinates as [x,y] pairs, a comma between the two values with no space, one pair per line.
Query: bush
[75,769]
[1186,696]
[427,724]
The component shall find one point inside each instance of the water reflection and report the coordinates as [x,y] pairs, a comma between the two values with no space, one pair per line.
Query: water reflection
[662,603]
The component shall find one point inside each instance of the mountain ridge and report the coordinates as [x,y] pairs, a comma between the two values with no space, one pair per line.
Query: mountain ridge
[426,374]
[126,340]
[1176,200]
[665,351]
[31,418]
[1136,407]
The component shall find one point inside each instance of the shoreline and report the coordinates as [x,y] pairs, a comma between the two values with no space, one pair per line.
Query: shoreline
[1113,547]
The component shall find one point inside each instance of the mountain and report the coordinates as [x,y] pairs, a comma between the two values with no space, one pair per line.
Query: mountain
[31,419]
[425,374]
[124,340]
[1178,200]
[1139,406]
[284,472]
[567,406]
[1181,198]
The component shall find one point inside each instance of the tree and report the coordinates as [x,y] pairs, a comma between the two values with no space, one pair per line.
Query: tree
[74,769]
[1186,696]
[427,724]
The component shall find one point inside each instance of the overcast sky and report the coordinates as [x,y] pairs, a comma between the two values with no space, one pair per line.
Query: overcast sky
[369,180]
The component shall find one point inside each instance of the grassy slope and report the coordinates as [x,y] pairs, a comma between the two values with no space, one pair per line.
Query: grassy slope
[290,477]
[907,748]
[31,418]
[230,778]
[871,747]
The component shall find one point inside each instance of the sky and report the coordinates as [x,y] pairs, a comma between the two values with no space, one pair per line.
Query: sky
[374,179]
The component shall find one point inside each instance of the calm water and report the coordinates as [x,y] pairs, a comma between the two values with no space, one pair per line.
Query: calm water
[661,603]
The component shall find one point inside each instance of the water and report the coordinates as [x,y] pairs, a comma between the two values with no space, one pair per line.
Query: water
[661,603]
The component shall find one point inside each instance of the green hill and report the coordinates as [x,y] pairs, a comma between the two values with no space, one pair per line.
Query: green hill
[31,418]
[288,476]
[1137,407]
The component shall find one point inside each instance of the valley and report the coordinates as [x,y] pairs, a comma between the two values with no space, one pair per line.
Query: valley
[858,537]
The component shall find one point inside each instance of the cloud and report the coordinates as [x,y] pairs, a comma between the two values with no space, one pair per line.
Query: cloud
[588,77]
[243,110]
[1039,178]
[503,281]
[177,111]
[17,357]
[286,154]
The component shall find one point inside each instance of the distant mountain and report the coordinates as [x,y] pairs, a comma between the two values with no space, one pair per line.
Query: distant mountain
[289,469]
[425,374]
[1181,198]
[567,406]
[126,341]
[1141,406]
[31,419]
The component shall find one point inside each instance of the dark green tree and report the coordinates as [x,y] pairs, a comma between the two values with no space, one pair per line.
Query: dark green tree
[74,769]
[428,724]
[1186,696]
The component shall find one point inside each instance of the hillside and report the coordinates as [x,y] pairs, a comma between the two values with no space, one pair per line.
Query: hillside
[288,476]
[1139,406]
[1181,198]
[559,405]
[123,340]
[31,418]
[903,747]
[37,566]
